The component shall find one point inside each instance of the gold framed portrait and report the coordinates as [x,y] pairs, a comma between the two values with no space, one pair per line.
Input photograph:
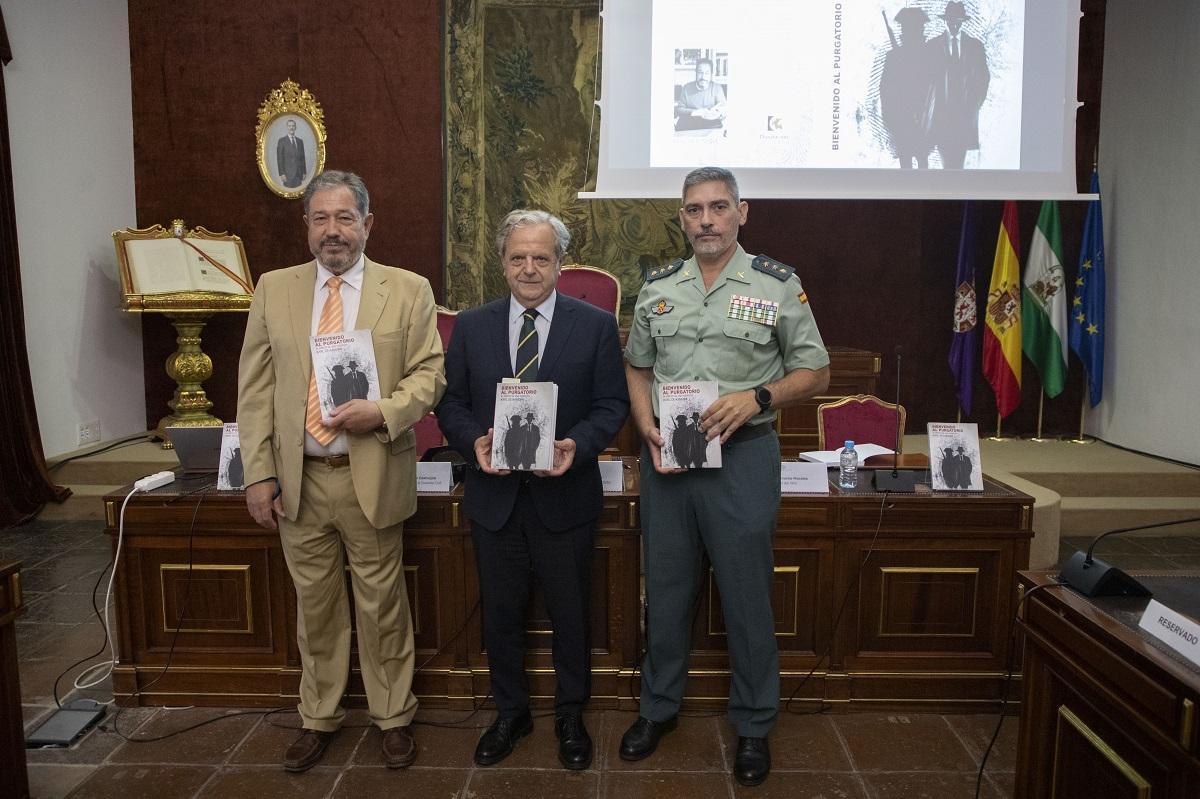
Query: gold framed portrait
[290,139]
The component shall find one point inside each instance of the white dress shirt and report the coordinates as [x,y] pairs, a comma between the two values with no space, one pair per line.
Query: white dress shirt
[351,291]
[542,325]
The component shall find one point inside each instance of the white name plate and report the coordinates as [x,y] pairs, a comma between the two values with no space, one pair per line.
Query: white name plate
[436,477]
[612,475]
[1173,629]
[797,477]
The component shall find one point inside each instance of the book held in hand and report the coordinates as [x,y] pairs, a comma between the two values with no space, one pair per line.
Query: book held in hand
[954,461]
[684,443]
[231,475]
[523,430]
[344,365]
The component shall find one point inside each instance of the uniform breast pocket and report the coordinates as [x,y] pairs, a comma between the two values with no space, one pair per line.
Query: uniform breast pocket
[744,345]
[666,341]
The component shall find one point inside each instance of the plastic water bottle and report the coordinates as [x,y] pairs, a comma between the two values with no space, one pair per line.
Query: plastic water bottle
[848,471]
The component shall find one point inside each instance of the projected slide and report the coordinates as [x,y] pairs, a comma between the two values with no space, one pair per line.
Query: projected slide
[837,85]
[851,98]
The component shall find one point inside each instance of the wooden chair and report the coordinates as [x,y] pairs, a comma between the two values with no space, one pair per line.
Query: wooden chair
[863,418]
[592,285]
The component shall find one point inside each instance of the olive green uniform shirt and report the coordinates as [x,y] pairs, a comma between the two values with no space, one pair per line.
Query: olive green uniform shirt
[753,326]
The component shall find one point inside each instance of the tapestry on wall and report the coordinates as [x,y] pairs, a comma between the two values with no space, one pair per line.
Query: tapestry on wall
[521,132]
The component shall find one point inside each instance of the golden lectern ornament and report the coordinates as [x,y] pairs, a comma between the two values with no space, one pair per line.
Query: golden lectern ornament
[186,275]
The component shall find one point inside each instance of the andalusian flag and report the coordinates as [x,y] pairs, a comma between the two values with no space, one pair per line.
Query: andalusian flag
[1087,308]
[1002,336]
[1044,303]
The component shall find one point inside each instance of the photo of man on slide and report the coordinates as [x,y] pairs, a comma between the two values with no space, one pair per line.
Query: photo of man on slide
[700,103]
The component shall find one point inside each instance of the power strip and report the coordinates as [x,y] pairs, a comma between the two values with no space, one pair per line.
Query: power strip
[156,480]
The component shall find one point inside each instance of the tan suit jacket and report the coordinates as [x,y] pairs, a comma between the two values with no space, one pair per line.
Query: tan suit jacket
[397,307]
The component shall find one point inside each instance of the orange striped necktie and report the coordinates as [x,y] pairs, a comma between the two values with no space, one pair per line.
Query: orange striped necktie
[330,322]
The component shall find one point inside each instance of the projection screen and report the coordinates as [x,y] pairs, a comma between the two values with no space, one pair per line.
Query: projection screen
[841,99]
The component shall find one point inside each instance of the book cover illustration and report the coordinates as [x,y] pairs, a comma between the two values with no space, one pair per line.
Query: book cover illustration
[231,476]
[954,460]
[523,427]
[344,365]
[684,443]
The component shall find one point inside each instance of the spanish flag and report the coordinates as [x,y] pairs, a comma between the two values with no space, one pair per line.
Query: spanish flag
[1002,336]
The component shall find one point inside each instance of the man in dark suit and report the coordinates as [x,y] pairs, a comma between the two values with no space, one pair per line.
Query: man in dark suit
[289,157]
[960,84]
[527,524]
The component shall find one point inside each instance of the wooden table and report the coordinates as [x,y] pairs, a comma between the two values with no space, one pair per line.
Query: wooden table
[923,624]
[13,779]
[1106,711]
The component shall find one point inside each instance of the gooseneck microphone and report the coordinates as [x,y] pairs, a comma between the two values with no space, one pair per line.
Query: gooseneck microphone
[1093,577]
[894,480]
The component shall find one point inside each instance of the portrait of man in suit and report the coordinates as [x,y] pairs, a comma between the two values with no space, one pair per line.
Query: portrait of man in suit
[541,524]
[289,158]
[347,486]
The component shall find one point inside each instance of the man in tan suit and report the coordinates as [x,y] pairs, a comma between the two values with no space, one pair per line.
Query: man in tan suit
[352,483]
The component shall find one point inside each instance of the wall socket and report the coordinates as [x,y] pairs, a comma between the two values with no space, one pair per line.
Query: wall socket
[89,433]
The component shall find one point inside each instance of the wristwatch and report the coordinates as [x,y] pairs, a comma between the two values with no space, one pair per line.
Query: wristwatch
[762,395]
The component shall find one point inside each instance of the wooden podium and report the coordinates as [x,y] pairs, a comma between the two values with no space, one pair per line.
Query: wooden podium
[1106,711]
[13,779]
[924,627]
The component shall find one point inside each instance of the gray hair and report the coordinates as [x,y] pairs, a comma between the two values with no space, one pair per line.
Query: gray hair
[523,217]
[707,174]
[332,179]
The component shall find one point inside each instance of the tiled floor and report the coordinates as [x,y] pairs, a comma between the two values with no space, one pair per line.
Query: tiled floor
[846,756]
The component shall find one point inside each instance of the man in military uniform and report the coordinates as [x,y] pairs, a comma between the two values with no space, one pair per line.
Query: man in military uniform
[745,322]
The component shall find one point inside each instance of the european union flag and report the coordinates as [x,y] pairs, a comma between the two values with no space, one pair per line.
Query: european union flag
[1086,325]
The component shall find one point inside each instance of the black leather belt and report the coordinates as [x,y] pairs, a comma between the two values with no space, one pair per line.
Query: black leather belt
[332,461]
[747,432]
[750,432]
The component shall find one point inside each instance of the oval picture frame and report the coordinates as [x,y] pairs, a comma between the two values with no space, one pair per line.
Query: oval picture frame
[290,139]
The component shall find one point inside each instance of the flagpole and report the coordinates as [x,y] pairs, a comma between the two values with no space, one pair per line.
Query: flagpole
[1041,405]
[997,437]
[1083,405]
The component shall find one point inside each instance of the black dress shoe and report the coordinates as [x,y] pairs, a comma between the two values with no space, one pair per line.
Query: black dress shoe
[574,743]
[753,761]
[641,739]
[497,743]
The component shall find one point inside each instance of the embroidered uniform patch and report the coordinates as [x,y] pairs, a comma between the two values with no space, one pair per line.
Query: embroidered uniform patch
[750,309]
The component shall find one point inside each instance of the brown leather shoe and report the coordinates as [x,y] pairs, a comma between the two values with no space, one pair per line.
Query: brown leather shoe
[305,752]
[399,747]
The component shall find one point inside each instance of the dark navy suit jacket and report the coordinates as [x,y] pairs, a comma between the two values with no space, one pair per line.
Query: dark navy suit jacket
[583,357]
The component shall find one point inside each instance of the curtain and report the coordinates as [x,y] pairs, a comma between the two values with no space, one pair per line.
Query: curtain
[25,485]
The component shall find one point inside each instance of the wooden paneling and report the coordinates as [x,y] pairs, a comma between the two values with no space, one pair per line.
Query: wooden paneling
[919,608]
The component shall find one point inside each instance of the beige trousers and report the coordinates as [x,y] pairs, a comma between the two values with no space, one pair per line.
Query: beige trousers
[330,520]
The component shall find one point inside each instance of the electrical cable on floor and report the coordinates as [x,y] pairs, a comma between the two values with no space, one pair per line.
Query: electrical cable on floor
[837,620]
[1008,672]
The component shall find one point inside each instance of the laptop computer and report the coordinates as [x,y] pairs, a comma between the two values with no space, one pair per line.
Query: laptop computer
[198,448]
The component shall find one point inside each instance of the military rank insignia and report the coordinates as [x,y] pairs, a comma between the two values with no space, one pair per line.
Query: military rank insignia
[749,309]
[659,308]
[803,297]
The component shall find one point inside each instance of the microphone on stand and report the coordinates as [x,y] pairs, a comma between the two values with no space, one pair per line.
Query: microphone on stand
[894,480]
[1093,577]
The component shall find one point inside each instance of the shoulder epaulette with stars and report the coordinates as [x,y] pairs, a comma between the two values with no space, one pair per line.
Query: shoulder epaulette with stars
[773,268]
[659,272]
